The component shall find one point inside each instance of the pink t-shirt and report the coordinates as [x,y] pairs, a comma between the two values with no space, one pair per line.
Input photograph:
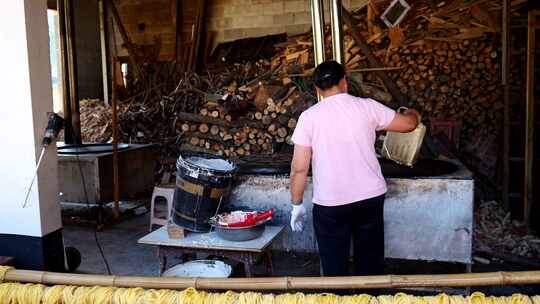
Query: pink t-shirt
[341,133]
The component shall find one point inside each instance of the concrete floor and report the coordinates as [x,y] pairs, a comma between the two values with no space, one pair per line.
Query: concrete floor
[126,257]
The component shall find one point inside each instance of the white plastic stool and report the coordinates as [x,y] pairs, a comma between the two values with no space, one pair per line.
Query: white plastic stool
[167,192]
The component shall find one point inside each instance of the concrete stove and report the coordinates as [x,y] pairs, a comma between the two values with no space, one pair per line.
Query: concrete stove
[426,218]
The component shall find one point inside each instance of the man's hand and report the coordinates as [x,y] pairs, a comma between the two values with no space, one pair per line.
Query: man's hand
[298,216]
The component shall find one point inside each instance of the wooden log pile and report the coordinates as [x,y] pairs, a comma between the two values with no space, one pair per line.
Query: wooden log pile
[236,111]
[444,58]
[458,80]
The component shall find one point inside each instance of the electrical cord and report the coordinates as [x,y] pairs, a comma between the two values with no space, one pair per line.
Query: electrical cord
[89,209]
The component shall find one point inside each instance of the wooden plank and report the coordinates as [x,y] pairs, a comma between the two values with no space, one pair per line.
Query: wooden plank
[64,64]
[529,119]
[72,71]
[210,240]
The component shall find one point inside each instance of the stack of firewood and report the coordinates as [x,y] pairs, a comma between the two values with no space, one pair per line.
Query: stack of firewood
[457,80]
[447,66]
[249,119]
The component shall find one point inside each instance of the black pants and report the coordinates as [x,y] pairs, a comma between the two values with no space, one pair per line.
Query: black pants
[335,226]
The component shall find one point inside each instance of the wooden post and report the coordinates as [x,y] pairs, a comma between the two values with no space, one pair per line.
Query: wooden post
[104,47]
[529,118]
[66,96]
[72,72]
[116,187]
[130,47]
[505,65]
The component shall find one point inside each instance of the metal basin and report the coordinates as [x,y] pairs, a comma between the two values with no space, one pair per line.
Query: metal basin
[239,234]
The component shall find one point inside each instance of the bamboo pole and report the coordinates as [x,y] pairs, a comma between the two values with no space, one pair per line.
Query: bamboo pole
[279,283]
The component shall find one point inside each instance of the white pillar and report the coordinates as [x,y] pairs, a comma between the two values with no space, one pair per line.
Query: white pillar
[32,234]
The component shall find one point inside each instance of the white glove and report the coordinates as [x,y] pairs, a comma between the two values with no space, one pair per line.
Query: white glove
[298,216]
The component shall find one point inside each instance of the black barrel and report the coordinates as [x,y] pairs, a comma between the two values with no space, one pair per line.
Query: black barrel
[203,184]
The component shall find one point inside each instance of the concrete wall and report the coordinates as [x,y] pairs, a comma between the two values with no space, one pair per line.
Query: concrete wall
[88,49]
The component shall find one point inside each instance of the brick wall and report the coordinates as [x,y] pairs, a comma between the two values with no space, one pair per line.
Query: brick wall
[227,20]
[235,19]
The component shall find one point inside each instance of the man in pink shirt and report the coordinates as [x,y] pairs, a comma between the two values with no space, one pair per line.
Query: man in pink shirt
[337,136]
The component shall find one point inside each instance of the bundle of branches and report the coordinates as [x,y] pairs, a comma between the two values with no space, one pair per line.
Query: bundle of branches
[95,121]
[496,232]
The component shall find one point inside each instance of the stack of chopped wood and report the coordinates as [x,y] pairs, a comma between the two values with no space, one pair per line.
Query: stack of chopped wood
[496,233]
[251,118]
[252,108]
[443,58]
[238,111]
[458,80]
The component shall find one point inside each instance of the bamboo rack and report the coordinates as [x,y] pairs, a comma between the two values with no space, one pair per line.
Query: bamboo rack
[279,283]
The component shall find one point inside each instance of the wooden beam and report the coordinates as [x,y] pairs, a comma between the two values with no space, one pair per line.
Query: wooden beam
[71,52]
[103,38]
[505,64]
[529,119]
[66,96]
[399,97]
[130,47]
[197,36]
